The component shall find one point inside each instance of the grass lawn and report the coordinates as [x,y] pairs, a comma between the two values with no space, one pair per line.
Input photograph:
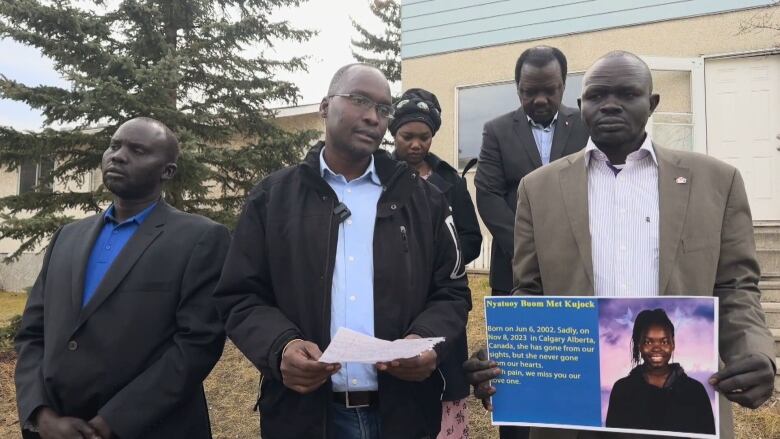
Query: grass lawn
[11,304]
[232,388]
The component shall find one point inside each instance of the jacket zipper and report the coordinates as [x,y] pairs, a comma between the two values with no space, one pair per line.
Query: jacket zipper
[404,239]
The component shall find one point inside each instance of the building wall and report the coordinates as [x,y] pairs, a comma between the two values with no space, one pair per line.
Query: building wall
[438,26]
[692,37]
[302,122]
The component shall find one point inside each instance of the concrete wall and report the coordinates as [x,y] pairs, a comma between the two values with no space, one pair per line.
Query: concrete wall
[21,274]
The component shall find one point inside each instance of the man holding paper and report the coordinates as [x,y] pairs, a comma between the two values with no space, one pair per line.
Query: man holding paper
[626,217]
[348,238]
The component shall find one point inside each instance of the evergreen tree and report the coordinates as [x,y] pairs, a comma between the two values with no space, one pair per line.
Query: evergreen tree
[381,51]
[197,65]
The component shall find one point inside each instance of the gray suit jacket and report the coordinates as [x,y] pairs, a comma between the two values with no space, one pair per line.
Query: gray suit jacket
[138,352]
[508,154]
[706,248]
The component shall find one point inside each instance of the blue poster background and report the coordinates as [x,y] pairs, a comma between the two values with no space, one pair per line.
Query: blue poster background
[548,350]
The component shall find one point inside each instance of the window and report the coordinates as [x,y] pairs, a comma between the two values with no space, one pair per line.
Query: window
[479,104]
[31,174]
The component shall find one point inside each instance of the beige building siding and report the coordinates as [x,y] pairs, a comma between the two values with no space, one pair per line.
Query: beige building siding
[302,122]
[692,37]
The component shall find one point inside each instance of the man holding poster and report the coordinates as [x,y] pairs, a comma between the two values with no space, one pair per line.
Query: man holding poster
[638,220]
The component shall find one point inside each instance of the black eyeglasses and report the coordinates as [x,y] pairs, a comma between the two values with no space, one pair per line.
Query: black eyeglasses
[382,110]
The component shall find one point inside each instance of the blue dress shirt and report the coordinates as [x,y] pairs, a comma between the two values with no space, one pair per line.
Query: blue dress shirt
[109,243]
[543,135]
[352,297]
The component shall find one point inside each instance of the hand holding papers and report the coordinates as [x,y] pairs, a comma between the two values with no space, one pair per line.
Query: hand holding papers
[353,347]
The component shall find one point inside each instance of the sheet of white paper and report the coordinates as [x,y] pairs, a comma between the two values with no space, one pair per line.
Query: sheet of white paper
[349,346]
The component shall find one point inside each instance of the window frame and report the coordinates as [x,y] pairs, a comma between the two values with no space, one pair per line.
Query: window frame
[456,106]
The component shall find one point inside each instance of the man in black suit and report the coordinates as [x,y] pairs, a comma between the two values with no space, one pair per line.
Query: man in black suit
[120,329]
[514,144]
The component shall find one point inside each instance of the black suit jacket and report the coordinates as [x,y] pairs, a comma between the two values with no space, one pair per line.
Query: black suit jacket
[508,154]
[138,352]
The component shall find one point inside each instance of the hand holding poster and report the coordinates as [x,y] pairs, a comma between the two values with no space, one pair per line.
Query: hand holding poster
[610,364]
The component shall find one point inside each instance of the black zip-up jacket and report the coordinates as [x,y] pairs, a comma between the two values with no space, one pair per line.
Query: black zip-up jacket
[453,186]
[276,287]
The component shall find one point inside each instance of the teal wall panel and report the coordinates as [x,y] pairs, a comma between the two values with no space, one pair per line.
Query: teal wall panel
[437,26]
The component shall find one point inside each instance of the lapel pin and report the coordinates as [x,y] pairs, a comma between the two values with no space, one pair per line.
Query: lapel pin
[681,180]
[566,123]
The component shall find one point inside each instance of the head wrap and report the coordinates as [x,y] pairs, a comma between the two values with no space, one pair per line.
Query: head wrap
[417,105]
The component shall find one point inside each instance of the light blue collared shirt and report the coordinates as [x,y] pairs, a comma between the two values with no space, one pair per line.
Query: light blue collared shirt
[352,298]
[543,137]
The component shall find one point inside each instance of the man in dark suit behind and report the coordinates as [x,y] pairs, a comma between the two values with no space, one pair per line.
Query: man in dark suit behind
[120,330]
[514,144]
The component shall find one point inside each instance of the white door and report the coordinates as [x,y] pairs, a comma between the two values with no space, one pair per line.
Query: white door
[743,122]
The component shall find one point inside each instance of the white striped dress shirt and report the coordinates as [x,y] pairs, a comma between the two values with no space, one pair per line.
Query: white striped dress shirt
[543,135]
[624,222]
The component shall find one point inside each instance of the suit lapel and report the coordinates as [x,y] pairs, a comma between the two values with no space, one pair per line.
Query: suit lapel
[562,131]
[91,230]
[147,232]
[574,186]
[523,132]
[673,193]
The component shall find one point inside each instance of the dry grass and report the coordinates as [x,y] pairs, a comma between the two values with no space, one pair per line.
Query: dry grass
[479,419]
[232,388]
[11,304]
[763,423]
[9,422]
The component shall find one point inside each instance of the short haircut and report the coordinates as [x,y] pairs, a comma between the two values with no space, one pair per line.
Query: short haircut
[629,55]
[338,77]
[644,320]
[171,142]
[540,56]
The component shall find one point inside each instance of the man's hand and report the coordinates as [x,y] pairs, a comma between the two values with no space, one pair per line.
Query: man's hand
[52,426]
[748,381]
[300,369]
[479,371]
[411,369]
[101,427]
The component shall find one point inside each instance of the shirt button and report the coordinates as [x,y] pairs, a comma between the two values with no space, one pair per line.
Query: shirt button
[352,298]
[349,221]
[72,345]
[349,191]
[108,247]
[351,258]
[354,381]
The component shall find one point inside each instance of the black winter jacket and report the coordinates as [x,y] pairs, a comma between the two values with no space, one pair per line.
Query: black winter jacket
[682,405]
[453,186]
[276,286]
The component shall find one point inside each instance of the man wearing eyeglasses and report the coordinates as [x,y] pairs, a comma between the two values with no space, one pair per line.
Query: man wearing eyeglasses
[348,238]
